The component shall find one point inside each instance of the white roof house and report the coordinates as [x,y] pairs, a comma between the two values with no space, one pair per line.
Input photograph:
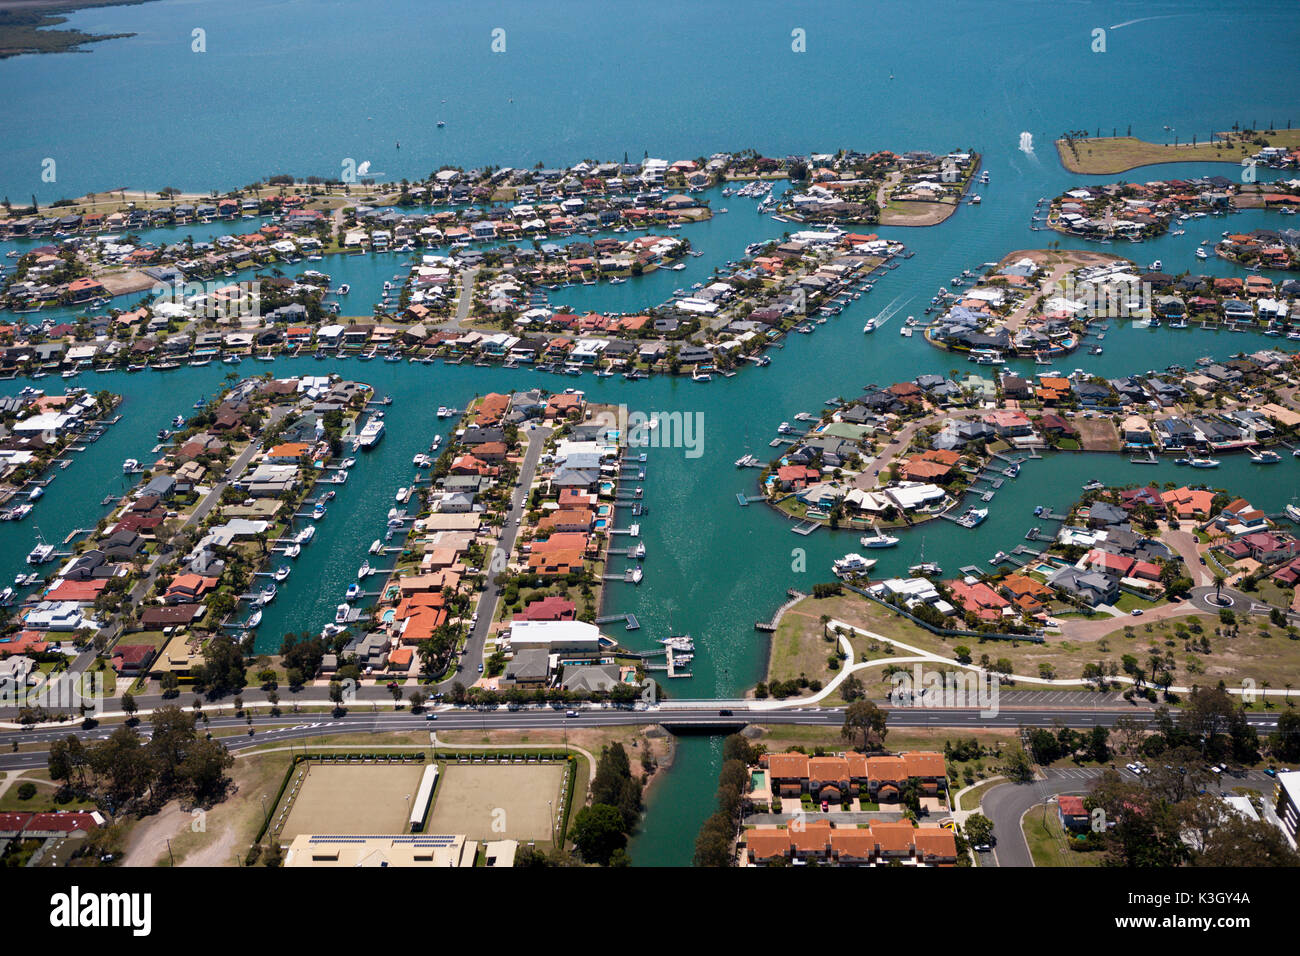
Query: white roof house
[58,616]
[46,423]
[557,637]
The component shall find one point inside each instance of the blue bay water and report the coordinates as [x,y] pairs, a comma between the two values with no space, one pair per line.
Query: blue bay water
[299,86]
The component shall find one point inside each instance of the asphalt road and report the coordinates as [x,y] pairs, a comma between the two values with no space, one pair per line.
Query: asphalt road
[698,717]
[86,659]
[1006,804]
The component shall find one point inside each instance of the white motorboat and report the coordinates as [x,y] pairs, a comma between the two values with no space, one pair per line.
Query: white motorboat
[878,540]
[282,572]
[852,564]
[371,433]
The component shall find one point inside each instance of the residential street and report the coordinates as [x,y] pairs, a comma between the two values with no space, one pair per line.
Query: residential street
[86,659]
[473,655]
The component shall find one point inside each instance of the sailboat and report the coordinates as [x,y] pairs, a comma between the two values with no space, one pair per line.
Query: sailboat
[925,567]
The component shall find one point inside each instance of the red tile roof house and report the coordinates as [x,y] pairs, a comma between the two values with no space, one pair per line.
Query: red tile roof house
[130,660]
[1288,575]
[828,778]
[188,588]
[493,408]
[885,778]
[813,841]
[789,773]
[796,477]
[469,465]
[1269,548]
[1072,813]
[553,608]
[928,767]
[879,843]
[61,823]
[979,599]
[1112,563]
[1130,498]
[563,406]
[1009,422]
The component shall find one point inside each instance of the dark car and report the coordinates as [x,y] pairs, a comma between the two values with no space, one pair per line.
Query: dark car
[724,713]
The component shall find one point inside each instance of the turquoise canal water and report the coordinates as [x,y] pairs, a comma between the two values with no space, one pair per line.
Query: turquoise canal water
[688,79]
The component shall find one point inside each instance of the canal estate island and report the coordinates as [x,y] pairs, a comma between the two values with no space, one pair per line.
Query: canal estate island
[917,501]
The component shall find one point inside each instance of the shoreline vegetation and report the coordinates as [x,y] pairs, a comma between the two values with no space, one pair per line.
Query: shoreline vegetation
[26,26]
[1117,154]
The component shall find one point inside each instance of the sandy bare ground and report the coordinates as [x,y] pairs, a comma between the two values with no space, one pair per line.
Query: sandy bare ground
[148,841]
[218,853]
[916,213]
[147,845]
[122,283]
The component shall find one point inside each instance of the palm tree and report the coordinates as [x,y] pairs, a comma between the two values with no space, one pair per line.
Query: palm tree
[1218,585]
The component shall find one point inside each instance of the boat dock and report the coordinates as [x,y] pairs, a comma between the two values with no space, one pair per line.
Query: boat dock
[1020,556]
[675,661]
[630,576]
[630,623]
[769,626]
[637,552]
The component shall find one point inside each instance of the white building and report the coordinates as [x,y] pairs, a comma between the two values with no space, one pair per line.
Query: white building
[562,638]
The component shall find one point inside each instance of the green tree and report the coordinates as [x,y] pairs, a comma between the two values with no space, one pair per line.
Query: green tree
[979,829]
[863,719]
[597,832]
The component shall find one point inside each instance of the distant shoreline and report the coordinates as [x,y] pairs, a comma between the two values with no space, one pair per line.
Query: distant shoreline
[1117,154]
[26,26]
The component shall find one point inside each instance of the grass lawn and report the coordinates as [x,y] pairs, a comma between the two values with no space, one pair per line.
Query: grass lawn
[971,799]
[1260,652]
[1116,154]
[1272,593]
[43,801]
[1129,602]
[799,646]
[1048,842]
